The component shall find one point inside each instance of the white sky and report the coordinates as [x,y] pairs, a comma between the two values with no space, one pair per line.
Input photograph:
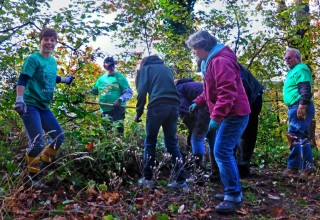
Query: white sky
[104,42]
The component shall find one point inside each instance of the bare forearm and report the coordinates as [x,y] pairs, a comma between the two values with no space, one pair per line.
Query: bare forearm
[20,90]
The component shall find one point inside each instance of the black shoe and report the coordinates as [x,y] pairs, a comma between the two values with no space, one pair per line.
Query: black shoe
[244,171]
[228,207]
[219,196]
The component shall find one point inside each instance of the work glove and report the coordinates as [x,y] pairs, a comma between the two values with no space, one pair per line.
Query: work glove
[213,125]
[68,80]
[20,106]
[137,118]
[117,103]
[192,107]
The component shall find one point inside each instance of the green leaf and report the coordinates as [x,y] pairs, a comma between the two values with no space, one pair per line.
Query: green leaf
[108,217]
[163,217]
[173,208]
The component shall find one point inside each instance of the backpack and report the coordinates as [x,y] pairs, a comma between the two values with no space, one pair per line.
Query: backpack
[251,84]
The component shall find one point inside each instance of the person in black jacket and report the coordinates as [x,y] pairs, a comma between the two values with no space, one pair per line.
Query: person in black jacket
[247,142]
[156,80]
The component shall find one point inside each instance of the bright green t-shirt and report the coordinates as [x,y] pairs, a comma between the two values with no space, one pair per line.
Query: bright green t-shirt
[42,82]
[110,88]
[300,73]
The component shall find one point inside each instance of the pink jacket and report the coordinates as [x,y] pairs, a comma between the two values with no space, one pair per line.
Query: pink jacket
[223,92]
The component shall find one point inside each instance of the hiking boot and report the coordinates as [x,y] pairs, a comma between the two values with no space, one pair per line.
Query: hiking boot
[228,207]
[219,196]
[290,172]
[146,183]
[179,186]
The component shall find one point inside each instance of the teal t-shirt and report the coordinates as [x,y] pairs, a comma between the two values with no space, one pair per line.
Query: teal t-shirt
[110,88]
[42,82]
[300,73]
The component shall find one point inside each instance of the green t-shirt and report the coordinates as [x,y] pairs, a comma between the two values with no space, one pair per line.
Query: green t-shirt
[42,82]
[300,73]
[110,88]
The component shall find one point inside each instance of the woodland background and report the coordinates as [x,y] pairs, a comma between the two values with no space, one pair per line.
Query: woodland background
[100,165]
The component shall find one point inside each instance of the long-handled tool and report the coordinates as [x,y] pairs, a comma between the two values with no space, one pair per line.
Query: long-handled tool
[106,104]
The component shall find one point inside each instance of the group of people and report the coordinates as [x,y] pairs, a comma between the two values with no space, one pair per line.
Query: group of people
[220,110]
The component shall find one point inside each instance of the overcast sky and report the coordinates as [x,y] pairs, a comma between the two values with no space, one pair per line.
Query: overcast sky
[104,42]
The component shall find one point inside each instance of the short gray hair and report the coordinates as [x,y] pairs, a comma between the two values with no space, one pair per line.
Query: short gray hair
[296,53]
[202,40]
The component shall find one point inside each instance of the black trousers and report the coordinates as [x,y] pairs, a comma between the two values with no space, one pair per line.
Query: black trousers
[247,142]
[115,115]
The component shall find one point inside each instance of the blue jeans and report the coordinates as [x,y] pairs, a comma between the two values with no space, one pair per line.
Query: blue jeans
[300,155]
[197,144]
[166,116]
[36,122]
[227,136]
[199,130]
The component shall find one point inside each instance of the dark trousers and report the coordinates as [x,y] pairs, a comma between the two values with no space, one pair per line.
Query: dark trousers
[165,116]
[247,142]
[115,115]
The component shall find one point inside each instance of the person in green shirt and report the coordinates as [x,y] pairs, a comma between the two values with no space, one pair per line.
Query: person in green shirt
[113,88]
[297,95]
[35,87]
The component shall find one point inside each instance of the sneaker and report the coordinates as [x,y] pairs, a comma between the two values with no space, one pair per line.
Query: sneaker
[191,179]
[219,196]
[145,183]
[228,207]
[177,186]
[290,172]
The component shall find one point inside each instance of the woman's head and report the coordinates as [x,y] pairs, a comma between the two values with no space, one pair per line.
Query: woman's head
[202,40]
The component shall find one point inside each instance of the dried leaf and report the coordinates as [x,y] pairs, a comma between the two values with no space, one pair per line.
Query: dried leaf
[279,212]
[139,201]
[110,196]
[55,198]
[243,211]
[90,146]
[91,190]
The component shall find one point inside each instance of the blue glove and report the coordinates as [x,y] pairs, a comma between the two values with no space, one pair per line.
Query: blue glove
[68,80]
[213,125]
[193,107]
[117,103]
[20,106]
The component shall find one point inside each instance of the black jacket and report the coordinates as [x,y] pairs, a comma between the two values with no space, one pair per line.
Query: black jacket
[155,80]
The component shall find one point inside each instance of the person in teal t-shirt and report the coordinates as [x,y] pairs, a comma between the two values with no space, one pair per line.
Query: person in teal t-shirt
[113,88]
[35,88]
[297,95]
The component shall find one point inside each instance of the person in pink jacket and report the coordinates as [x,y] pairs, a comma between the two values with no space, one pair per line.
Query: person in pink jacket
[229,109]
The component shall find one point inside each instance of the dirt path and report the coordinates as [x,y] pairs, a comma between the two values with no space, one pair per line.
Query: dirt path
[267,195]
